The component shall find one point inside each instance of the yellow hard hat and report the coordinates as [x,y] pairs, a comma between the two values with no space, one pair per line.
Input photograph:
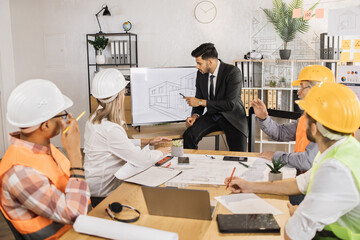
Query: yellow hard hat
[314,73]
[333,105]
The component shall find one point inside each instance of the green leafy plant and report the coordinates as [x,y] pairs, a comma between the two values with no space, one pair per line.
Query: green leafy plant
[285,25]
[272,83]
[100,43]
[177,143]
[277,165]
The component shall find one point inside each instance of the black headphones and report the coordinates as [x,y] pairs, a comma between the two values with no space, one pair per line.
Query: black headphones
[116,207]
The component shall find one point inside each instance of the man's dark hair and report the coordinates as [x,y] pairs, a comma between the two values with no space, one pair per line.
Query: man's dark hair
[206,51]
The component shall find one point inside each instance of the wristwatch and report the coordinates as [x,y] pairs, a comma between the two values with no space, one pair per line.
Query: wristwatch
[200,102]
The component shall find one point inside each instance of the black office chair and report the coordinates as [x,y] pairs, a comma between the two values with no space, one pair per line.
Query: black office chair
[271,112]
[16,234]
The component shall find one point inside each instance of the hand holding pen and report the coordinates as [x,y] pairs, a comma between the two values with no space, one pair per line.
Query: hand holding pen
[232,174]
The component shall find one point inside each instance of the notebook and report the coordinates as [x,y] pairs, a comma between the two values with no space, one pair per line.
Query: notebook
[176,202]
[247,223]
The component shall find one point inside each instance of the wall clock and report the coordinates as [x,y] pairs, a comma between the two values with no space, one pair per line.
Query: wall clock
[205,12]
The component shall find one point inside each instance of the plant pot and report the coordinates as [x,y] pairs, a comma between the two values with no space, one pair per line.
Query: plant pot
[100,59]
[275,176]
[285,53]
[177,151]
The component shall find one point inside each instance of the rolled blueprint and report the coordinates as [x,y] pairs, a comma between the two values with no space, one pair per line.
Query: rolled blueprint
[118,230]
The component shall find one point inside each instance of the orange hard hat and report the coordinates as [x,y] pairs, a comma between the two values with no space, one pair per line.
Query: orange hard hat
[316,73]
[333,105]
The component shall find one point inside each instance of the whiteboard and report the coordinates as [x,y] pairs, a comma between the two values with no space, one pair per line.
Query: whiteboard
[155,94]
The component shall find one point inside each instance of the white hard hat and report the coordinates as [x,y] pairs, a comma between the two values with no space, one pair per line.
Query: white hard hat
[34,102]
[107,83]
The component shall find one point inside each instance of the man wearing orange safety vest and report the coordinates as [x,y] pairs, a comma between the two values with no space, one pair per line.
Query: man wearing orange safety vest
[305,151]
[331,208]
[41,191]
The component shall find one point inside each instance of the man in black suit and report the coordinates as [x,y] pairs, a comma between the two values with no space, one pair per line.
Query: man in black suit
[218,89]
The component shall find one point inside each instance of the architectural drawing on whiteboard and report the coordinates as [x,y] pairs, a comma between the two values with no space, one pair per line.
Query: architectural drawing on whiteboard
[165,97]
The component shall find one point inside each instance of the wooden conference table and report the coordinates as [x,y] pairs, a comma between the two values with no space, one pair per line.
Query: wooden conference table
[171,130]
[131,194]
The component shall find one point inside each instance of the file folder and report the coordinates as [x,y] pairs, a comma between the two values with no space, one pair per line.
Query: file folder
[246,101]
[269,99]
[274,99]
[112,50]
[330,47]
[246,75]
[122,60]
[117,52]
[126,52]
[323,46]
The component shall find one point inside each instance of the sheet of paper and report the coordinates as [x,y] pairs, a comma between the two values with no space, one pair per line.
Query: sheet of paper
[356,57]
[319,13]
[204,169]
[357,44]
[212,170]
[345,57]
[307,14]
[153,176]
[128,170]
[296,13]
[247,203]
[345,44]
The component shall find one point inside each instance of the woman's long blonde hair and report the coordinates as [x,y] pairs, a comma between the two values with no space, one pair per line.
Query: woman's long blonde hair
[112,111]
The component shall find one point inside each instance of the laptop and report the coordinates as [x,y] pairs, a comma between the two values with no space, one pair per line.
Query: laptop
[176,202]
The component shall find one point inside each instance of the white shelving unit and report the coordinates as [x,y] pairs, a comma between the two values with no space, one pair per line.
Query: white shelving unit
[275,70]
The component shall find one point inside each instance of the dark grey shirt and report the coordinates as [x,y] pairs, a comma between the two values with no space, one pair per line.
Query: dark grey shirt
[287,132]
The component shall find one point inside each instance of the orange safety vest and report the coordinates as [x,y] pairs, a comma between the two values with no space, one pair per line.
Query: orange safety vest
[301,139]
[57,169]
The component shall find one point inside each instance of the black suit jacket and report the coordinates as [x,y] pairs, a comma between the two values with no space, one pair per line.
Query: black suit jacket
[227,100]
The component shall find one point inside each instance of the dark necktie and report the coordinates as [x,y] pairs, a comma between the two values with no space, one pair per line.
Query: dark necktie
[212,87]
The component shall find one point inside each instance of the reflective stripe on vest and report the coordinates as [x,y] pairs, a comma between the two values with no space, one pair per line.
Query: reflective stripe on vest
[348,153]
[56,168]
[301,139]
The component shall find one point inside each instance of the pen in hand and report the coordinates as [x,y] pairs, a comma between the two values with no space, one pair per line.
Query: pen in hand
[232,174]
[182,95]
[77,119]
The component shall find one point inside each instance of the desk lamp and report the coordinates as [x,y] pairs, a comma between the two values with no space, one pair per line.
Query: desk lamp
[105,13]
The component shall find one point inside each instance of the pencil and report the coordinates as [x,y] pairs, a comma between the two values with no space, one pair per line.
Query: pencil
[245,165]
[77,119]
[232,174]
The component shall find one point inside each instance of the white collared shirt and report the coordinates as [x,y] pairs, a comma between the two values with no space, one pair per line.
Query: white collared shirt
[333,196]
[107,148]
[214,79]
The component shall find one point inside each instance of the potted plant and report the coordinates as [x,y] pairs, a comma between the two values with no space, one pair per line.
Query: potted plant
[272,83]
[177,149]
[275,173]
[282,82]
[99,45]
[281,16]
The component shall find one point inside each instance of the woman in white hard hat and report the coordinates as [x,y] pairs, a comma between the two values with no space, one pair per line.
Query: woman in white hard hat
[41,191]
[107,147]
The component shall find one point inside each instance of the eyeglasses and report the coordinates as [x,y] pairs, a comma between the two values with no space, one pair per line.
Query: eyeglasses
[303,88]
[63,116]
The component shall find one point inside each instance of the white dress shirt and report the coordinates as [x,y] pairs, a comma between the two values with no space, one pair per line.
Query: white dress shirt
[333,197]
[107,148]
[214,79]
